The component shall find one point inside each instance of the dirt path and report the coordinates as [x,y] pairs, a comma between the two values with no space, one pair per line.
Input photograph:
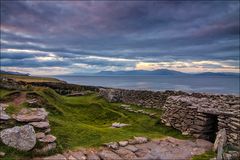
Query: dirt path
[169,148]
[20,99]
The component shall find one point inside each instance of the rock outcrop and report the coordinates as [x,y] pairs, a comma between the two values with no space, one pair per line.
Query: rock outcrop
[22,138]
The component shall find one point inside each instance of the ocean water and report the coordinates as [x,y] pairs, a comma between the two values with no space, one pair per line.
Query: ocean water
[211,84]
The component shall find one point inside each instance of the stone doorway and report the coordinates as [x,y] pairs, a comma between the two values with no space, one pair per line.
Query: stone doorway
[211,127]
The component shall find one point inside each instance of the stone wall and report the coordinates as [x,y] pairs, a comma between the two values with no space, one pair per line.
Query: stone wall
[148,99]
[203,116]
[197,114]
[200,115]
[60,87]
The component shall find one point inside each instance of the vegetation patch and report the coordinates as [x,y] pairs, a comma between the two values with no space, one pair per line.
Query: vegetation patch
[205,156]
[30,78]
[85,121]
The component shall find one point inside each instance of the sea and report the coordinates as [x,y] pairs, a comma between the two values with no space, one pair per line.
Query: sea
[205,84]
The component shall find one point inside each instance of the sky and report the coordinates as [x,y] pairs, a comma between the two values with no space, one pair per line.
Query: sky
[79,37]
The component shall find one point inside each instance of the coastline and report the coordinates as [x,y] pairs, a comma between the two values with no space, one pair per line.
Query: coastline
[211,85]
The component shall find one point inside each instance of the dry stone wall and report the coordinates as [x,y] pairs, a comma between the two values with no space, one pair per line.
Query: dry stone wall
[148,99]
[197,114]
[203,116]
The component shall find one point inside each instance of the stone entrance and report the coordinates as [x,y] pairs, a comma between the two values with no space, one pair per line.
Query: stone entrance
[211,127]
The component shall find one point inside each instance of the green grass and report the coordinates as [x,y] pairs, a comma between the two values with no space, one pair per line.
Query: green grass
[205,156]
[4,92]
[85,122]
[30,78]
[11,109]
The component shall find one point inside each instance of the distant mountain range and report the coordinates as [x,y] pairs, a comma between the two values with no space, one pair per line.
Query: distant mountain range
[14,73]
[159,72]
[162,72]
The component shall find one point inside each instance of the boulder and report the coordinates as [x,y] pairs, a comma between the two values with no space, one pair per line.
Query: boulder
[22,138]
[31,115]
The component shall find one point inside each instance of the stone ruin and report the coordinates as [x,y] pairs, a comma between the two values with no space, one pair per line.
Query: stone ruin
[197,114]
[204,116]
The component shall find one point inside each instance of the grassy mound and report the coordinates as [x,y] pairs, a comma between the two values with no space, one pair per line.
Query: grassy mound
[85,121]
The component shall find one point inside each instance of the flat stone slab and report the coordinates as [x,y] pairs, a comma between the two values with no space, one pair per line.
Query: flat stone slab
[92,156]
[40,135]
[55,157]
[119,125]
[125,154]
[31,115]
[168,148]
[79,155]
[48,139]
[132,148]
[171,148]
[41,125]
[108,155]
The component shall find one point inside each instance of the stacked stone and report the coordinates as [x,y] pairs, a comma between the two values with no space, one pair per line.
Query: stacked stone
[35,120]
[148,99]
[37,117]
[232,126]
[178,115]
[200,114]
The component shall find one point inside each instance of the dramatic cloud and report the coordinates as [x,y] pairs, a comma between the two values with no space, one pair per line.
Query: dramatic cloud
[69,37]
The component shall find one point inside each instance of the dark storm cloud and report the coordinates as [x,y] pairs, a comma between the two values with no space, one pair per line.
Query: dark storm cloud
[152,31]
